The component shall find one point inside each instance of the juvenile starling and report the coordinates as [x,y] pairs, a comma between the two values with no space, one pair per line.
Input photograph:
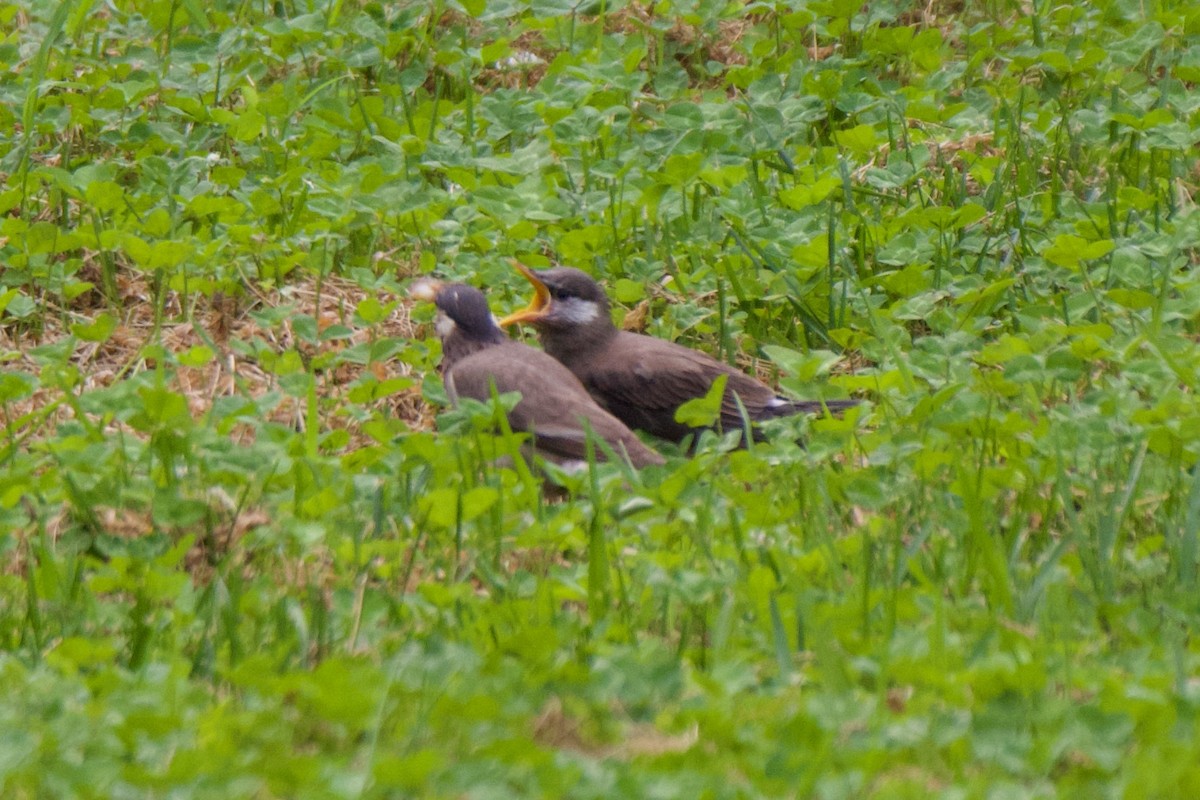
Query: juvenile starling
[554,407]
[640,379]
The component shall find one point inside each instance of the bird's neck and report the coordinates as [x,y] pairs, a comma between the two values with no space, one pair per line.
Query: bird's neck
[577,342]
[457,346]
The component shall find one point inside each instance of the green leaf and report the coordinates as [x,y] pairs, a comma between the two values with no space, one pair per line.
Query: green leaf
[1068,250]
[969,214]
[988,291]
[15,386]
[228,175]
[813,253]
[407,773]
[681,168]
[806,367]
[136,248]
[371,311]
[703,412]
[441,506]
[77,652]
[580,245]
[1135,299]
[6,298]
[98,330]
[628,292]
[168,255]
[42,237]
[247,126]
[160,408]
[105,196]
[494,51]
[1003,350]
[801,197]
[860,140]
[196,356]
[478,500]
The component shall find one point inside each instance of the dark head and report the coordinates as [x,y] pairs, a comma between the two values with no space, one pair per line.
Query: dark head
[465,323]
[565,300]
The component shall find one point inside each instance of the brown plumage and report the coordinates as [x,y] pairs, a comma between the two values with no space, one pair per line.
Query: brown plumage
[640,379]
[554,407]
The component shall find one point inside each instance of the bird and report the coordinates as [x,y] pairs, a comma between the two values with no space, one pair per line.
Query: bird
[641,379]
[555,409]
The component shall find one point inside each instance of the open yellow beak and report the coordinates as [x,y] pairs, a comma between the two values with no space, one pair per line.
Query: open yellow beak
[537,306]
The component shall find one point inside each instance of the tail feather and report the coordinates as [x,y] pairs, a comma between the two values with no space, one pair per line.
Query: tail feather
[782,407]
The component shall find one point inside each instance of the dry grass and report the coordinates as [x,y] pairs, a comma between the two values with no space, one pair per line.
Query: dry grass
[557,728]
[216,323]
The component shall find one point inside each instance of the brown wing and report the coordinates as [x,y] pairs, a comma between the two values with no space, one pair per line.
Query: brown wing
[643,381]
[553,407]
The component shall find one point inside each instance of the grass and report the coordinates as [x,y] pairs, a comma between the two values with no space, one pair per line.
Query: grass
[247,554]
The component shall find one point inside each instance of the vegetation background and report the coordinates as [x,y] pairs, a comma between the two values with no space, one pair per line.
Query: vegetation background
[239,560]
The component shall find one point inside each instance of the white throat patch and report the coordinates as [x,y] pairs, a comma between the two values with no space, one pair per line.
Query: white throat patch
[576,311]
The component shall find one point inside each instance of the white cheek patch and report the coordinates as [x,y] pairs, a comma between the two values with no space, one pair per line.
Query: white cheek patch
[778,402]
[576,311]
[444,325]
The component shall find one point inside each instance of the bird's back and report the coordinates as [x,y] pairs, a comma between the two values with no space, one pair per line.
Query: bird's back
[643,380]
[554,406]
